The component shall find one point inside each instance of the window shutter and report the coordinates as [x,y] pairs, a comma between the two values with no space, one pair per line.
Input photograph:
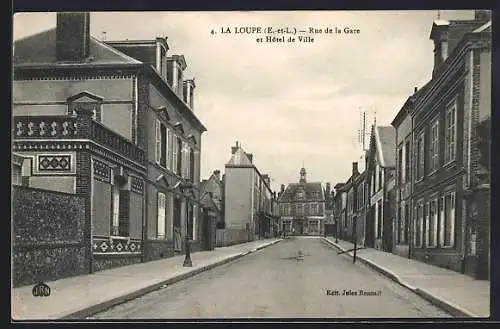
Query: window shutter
[161,216]
[174,150]
[441,221]
[167,148]
[158,142]
[452,219]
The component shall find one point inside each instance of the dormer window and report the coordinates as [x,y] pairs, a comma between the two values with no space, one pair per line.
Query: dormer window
[86,98]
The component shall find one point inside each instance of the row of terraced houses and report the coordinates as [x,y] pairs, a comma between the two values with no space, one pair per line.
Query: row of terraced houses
[106,158]
[425,189]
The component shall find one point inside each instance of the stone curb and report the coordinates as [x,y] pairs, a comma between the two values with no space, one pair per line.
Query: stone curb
[94,309]
[449,307]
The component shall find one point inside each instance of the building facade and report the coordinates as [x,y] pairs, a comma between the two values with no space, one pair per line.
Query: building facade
[450,189]
[104,120]
[247,196]
[302,207]
[340,210]
[380,180]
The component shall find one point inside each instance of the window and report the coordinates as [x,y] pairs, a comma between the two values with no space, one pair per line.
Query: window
[406,223]
[419,227]
[434,147]
[179,156]
[448,222]
[421,156]
[450,133]
[169,149]
[379,218]
[161,216]
[115,224]
[400,166]
[432,224]
[407,162]
[191,164]
[379,178]
[400,225]
[161,144]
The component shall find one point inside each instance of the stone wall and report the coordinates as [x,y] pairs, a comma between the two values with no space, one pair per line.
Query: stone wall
[48,235]
[228,237]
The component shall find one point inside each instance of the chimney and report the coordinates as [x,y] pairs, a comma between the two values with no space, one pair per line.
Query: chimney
[355,169]
[234,148]
[415,90]
[217,175]
[439,34]
[72,37]
[481,15]
[282,188]
[175,68]
[327,188]
[188,92]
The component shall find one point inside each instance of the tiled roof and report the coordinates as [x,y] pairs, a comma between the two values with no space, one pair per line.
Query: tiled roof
[311,192]
[386,145]
[40,48]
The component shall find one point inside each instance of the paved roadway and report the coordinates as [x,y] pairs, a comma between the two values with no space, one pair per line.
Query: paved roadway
[273,283]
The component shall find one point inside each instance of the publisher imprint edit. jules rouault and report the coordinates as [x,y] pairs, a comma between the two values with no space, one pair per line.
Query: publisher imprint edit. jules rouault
[350,292]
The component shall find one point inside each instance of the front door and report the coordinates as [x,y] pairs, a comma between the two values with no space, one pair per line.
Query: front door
[301,228]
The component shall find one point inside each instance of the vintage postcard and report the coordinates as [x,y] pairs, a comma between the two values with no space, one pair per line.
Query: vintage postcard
[251,164]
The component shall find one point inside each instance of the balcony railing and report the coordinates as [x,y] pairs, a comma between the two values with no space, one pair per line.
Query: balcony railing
[104,136]
[70,127]
[36,127]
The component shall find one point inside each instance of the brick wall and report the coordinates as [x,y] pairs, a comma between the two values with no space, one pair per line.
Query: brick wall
[48,235]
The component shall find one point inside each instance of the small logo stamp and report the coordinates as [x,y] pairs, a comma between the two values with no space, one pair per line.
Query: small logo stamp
[41,289]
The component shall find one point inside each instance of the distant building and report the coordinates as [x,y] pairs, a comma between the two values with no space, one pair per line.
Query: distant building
[247,196]
[302,207]
[212,189]
[339,210]
[380,179]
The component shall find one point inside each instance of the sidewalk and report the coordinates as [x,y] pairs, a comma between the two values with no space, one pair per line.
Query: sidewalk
[458,294]
[81,296]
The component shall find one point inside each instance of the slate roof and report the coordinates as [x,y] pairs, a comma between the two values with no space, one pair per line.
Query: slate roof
[312,192]
[40,48]
[385,138]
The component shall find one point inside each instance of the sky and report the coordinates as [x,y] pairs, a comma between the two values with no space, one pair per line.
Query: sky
[289,104]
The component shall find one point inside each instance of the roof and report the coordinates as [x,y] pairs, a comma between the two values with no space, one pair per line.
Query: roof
[40,48]
[240,158]
[303,191]
[385,139]
[484,28]
[208,202]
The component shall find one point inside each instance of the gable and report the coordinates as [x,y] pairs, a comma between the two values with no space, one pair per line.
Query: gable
[192,139]
[163,113]
[85,97]
[179,127]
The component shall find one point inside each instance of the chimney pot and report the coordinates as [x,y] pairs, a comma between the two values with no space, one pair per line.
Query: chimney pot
[282,188]
[415,90]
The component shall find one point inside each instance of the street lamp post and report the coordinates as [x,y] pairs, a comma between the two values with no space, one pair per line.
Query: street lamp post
[187,259]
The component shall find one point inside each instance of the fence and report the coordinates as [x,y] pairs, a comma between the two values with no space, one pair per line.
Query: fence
[228,237]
